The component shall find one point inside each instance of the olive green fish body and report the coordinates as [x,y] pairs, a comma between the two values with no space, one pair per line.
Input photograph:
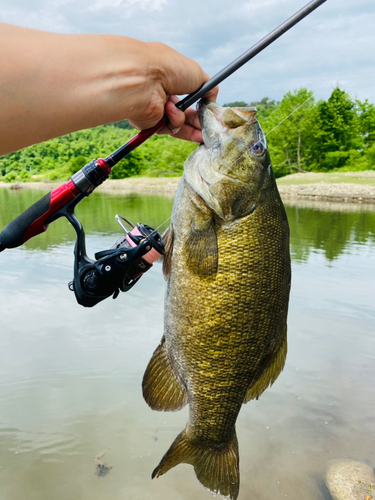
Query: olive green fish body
[226,307]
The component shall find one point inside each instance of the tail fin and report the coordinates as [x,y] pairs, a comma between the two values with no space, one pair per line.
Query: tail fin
[216,466]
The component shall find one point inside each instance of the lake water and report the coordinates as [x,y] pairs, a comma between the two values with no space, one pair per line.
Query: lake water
[70,377]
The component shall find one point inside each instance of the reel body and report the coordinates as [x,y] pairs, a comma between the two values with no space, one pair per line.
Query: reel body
[116,269]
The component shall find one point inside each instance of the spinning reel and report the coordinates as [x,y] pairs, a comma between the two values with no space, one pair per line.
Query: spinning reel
[116,269]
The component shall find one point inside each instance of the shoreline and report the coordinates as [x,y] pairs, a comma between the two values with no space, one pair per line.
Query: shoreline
[352,187]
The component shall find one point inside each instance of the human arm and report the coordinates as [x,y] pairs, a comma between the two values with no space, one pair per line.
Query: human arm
[53,84]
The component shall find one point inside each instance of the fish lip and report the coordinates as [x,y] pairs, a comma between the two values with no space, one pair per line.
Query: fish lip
[204,104]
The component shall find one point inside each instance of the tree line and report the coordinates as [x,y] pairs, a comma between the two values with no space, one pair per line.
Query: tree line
[305,135]
[302,135]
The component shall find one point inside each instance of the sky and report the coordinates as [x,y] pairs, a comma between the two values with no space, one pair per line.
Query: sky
[335,45]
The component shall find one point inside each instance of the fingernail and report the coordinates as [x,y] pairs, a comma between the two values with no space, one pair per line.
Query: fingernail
[175,131]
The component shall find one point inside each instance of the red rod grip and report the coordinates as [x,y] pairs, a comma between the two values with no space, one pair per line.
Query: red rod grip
[60,196]
[33,220]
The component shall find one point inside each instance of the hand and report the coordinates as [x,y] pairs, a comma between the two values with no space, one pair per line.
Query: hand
[53,84]
[184,125]
[179,75]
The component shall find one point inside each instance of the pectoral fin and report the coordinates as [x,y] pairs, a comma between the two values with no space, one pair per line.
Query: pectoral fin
[270,373]
[162,389]
[201,248]
[201,241]
[168,238]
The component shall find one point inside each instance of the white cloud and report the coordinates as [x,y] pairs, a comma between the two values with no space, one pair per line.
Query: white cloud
[133,5]
[335,44]
[255,5]
[149,4]
[47,20]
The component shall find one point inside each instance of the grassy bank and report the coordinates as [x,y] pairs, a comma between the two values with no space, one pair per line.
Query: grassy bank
[366,178]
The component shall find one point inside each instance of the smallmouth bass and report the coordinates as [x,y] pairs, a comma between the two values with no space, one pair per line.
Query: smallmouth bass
[228,267]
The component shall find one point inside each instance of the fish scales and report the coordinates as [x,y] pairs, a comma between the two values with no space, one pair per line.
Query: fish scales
[224,340]
[240,325]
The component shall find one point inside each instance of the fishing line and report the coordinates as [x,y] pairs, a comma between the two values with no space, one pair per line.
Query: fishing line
[274,128]
[239,158]
[300,106]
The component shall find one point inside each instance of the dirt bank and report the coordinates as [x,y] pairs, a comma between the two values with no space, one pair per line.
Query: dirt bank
[348,187]
[352,187]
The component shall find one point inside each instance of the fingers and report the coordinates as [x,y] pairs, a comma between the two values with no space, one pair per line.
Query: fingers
[175,116]
[177,74]
[183,125]
[186,133]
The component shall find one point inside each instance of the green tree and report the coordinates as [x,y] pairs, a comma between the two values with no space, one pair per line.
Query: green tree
[337,134]
[130,166]
[264,107]
[366,114]
[290,131]
[236,104]
[77,163]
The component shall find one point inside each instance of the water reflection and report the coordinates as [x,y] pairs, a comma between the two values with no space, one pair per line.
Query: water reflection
[97,214]
[70,377]
[329,228]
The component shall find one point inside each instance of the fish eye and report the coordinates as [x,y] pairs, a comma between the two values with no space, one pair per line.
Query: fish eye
[257,147]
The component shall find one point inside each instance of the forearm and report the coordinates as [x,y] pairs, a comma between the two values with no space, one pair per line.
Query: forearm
[52,84]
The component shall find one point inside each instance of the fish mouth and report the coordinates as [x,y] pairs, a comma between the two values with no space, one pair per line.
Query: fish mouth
[229,118]
[201,105]
[204,104]
[211,173]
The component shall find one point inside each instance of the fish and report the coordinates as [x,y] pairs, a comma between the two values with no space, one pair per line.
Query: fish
[227,263]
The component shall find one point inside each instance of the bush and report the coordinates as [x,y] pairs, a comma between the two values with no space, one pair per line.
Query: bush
[10,176]
[77,163]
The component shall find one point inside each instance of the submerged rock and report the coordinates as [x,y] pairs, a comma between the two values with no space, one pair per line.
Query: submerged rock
[101,468]
[350,480]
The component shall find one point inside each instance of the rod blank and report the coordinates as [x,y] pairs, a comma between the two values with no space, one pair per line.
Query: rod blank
[249,54]
[190,99]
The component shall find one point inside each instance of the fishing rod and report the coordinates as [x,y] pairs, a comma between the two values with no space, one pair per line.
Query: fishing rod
[119,268]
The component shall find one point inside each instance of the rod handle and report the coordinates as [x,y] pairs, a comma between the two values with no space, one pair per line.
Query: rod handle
[33,220]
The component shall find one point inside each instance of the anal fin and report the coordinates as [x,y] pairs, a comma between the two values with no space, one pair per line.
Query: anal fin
[270,373]
[162,389]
